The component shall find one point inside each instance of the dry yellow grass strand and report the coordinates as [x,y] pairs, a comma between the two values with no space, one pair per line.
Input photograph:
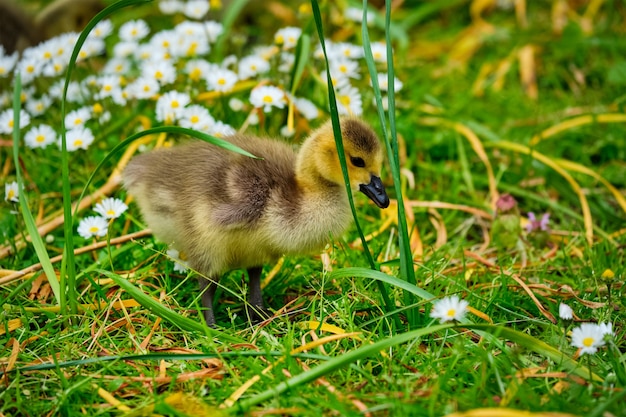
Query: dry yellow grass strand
[450,206]
[573,166]
[576,122]
[584,205]
[505,412]
[9,276]
[12,359]
[11,325]
[528,71]
[110,399]
[240,86]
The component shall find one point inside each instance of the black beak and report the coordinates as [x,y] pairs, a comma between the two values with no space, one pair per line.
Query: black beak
[376,192]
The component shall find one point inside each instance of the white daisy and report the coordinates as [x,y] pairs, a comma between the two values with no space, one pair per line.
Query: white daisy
[213,30]
[171,6]
[449,309]
[77,118]
[606,329]
[306,108]
[221,80]
[344,68]
[198,69]
[235,104]
[170,105]
[196,117]
[7,63]
[143,88]
[29,69]
[221,129]
[379,51]
[107,85]
[110,208]
[79,138]
[93,226]
[349,101]
[287,37]
[7,122]
[179,264]
[134,30]
[102,29]
[40,136]
[252,65]
[588,337]
[384,84]
[267,96]
[349,50]
[162,71]
[356,15]
[196,9]
[565,312]
[117,66]
[11,192]
[37,106]
[125,49]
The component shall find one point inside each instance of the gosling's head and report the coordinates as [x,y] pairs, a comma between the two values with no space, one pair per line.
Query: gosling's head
[364,157]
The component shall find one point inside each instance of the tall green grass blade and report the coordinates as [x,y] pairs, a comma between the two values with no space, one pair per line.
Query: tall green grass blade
[391,142]
[338,363]
[381,276]
[165,313]
[303,53]
[68,267]
[334,115]
[29,221]
[228,19]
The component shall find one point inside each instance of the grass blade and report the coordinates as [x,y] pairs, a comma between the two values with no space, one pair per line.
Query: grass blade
[338,363]
[334,115]
[29,221]
[406,255]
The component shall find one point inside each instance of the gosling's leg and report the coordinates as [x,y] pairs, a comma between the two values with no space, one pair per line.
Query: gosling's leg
[208,287]
[257,311]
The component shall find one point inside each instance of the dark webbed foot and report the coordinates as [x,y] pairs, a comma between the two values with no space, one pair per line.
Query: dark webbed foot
[255,309]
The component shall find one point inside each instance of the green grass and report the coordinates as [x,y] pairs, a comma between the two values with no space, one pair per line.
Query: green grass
[351,336]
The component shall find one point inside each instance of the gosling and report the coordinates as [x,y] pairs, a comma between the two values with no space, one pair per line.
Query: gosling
[227,211]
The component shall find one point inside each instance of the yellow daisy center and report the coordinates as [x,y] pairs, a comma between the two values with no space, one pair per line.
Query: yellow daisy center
[345,100]
[175,104]
[451,312]
[588,341]
[94,229]
[268,99]
[221,81]
[78,142]
[11,194]
[40,138]
[194,119]
[110,212]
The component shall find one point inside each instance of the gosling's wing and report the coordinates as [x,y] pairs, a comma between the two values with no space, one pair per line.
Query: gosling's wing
[254,188]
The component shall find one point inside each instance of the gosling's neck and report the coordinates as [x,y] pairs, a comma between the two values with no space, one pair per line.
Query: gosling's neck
[309,166]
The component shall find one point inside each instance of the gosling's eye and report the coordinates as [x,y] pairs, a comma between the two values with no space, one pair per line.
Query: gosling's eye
[357,161]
